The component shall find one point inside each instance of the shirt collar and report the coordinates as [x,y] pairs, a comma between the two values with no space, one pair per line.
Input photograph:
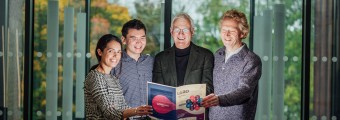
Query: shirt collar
[234,52]
[228,55]
[127,58]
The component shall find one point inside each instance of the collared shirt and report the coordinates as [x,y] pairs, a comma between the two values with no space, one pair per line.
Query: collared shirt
[133,78]
[229,54]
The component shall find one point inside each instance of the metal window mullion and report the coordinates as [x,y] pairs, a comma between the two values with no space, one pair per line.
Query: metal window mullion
[305,79]
[167,23]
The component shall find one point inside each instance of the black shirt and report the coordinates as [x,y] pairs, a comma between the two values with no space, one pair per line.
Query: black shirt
[182,58]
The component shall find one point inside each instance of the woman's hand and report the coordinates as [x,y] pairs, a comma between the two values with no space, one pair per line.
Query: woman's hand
[143,110]
[210,100]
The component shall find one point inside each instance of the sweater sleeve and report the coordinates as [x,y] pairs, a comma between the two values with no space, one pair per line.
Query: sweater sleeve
[248,83]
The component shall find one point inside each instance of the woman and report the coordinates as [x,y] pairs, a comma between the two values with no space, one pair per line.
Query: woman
[103,94]
[236,73]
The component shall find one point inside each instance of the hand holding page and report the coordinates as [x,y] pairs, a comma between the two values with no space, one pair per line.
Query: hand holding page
[184,102]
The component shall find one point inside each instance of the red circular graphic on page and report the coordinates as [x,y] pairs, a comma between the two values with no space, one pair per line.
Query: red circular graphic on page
[162,104]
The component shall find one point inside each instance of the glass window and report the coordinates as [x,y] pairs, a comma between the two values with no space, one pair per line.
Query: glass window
[206,15]
[277,35]
[60,50]
[59,46]
[325,67]
[12,46]
[278,42]
[109,17]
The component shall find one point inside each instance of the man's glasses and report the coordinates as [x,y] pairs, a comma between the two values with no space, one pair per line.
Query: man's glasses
[184,30]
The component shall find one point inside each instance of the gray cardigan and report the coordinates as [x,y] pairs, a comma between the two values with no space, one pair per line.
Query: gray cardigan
[236,84]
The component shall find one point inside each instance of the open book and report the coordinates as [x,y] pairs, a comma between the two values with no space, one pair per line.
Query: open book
[171,103]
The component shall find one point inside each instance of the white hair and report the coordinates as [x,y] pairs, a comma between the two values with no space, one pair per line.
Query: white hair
[186,17]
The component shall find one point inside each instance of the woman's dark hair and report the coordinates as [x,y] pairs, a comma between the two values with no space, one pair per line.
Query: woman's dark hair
[101,44]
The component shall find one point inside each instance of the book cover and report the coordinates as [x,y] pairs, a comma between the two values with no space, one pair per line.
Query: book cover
[171,103]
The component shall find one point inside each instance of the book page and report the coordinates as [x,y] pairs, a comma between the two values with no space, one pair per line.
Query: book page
[188,101]
[171,103]
[162,98]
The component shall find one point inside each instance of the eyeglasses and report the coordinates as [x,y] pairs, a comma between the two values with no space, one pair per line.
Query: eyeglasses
[184,30]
